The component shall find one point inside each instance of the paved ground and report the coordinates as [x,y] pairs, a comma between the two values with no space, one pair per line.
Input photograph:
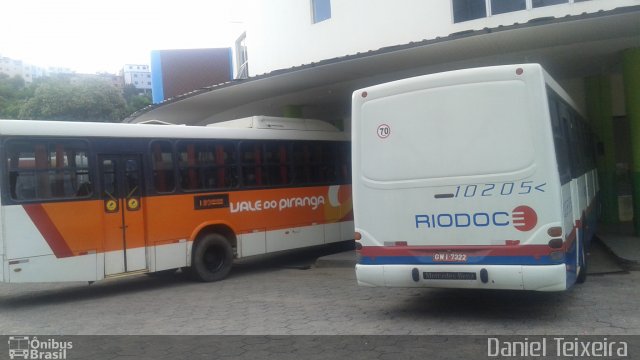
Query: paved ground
[283,296]
[621,241]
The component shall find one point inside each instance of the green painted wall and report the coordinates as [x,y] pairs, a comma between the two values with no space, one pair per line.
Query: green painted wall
[600,113]
[292,111]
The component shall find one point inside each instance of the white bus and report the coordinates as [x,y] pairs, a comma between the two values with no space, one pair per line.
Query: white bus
[88,201]
[479,178]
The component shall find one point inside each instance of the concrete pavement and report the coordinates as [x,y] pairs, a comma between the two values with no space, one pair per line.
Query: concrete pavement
[621,241]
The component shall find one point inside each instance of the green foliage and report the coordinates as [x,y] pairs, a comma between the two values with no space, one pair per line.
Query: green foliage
[12,95]
[135,100]
[59,98]
[65,98]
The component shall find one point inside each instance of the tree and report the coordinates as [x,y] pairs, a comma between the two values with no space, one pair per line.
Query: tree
[58,98]
[134,98]
[13,94]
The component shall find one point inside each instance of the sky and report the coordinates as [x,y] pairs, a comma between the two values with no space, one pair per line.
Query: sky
[90,36]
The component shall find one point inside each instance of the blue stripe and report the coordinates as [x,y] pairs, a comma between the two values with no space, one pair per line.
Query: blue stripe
[157,86]
[472,260]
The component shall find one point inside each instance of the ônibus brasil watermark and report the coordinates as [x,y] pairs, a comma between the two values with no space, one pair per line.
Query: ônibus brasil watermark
[32,348]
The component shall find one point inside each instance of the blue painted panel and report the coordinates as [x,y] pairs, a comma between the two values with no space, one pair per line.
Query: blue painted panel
[157,87]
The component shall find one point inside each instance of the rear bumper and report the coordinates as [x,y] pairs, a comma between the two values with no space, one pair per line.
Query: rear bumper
[507,277]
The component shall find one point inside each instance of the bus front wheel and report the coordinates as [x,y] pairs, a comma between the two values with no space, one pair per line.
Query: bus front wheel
[212,258]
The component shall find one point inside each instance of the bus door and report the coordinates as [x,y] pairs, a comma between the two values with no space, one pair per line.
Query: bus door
[121,192]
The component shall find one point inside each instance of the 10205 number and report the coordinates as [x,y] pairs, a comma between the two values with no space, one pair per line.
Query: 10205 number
[503,189]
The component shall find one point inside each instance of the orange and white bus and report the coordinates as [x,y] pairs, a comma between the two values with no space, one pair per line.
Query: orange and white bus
[87,201]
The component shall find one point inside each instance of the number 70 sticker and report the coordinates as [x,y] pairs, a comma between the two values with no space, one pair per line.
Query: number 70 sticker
[384,131]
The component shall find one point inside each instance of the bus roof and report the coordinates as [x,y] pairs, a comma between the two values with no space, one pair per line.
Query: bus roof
[560,91]
[154,130]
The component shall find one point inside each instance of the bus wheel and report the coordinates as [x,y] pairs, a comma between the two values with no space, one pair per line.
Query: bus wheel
[582,276]
[212,258]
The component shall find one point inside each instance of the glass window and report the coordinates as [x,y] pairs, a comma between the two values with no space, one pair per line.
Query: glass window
[109,180]
[465,10]
[162,166]
[340,157]
[48,170]
[277,160]
[321,10]
[311,162]
[505,6]
[559,139]
[541,3]
[207,165]
[253,160]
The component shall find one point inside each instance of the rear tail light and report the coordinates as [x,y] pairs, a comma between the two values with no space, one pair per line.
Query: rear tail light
[555,243]
[555,231]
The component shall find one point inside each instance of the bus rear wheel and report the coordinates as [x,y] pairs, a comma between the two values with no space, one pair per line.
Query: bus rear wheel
[212,258]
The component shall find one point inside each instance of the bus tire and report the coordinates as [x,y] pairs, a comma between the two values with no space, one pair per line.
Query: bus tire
[582,275]
[212,258]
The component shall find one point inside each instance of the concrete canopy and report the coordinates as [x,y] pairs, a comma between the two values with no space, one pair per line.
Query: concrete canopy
[567,47]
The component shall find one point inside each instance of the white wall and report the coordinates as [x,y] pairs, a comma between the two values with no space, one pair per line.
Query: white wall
[281,35]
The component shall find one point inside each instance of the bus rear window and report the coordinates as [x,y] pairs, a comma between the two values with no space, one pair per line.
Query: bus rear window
[42,170]
[461,130]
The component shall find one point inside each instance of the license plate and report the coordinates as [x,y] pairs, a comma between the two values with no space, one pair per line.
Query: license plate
[449,276]
[449,257]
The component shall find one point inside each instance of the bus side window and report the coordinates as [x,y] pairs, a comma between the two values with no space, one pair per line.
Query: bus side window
[190,159]
[251,157]
[225,165]
[301,163]
[560,140]
[162,166]
[48,170]
[277,159]
[337,163]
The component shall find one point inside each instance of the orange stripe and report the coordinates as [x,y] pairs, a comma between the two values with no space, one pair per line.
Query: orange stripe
[48,230]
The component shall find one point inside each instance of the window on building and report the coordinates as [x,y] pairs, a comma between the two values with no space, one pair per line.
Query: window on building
[321,10]
[242,60]
[465,10]
[541,3]
[505,6]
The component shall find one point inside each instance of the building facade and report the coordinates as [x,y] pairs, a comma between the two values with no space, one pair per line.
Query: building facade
[177,72]
[13,67]
[138,75]
[279,39]
[307,61]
